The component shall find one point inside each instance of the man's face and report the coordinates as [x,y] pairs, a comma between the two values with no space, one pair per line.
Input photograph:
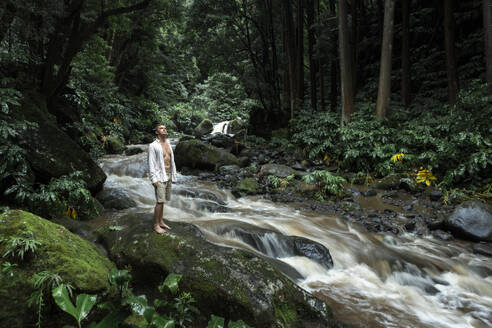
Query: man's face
[161,130]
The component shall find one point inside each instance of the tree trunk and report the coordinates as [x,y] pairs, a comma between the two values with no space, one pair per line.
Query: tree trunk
[345,63]
[384,89]
[290,52]
[312,62]
[449,44]
[6,19]
[300,54]
[487,27]
[405,53]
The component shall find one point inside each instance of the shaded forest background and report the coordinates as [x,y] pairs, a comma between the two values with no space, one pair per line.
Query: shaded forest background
[345,83]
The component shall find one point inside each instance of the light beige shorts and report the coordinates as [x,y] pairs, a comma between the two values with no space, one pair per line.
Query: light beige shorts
[163,191]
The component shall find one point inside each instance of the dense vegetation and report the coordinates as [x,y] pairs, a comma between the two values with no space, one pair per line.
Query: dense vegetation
[108,70]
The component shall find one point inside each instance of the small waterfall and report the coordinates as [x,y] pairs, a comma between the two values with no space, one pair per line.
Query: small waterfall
[221,127]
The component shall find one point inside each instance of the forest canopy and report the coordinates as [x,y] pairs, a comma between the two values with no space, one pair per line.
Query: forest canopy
[352,82]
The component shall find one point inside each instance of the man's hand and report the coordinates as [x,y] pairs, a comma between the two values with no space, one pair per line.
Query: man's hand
[155,184]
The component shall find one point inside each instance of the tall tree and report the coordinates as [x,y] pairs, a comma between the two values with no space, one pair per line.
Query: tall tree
[290,47]
[405,52]
[449,45]
[312,62]
[384,87]
[487,27]
[345,63]
[300,54]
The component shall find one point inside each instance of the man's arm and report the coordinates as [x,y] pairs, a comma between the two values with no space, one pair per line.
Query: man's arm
[151,158]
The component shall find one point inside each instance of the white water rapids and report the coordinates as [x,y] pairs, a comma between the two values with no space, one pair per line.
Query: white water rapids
[378,280]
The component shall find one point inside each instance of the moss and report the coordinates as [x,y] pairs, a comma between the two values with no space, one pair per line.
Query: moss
[287,313]
[61,252]
[248,185]
[114,145]
[197,154]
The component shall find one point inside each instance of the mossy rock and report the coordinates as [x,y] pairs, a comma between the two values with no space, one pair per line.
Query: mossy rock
[249,186]
[114,145]
[278,170]
[234,126]
[231,283]
[51,152]
[397,181]
[205,127]
[76,260]
[200,155]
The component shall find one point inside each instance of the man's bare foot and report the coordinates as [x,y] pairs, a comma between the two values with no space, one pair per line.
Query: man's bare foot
[158,229]
[163,225]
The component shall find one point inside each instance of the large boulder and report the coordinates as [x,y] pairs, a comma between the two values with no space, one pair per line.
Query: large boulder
[116,199]
[51,152]
[220,140]
[228,282]
[274,244]
[396,181]
[77,261]
[278,170]
[205,127]
[197,154]
[114,144]
[471,220]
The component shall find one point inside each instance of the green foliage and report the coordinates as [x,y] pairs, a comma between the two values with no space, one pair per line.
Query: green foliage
[327,183]
[63,195]
[316,133]
[223,98]
[83,304]
[453,142]
[279,183]
[177,313]
[8,268]
[44,282]
[218,322]
[19,246]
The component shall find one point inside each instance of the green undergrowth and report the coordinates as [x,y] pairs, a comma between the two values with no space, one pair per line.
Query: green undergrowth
[452,142]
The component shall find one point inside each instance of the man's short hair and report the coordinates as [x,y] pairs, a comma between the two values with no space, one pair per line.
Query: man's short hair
[157,125]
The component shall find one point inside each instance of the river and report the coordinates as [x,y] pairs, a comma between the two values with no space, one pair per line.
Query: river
[378,280]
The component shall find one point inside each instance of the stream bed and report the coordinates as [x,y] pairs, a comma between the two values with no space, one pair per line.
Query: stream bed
[378,279]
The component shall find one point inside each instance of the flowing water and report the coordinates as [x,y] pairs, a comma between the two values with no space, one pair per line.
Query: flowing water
[378,280]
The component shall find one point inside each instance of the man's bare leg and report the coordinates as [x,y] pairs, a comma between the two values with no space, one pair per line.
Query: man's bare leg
[158,211]
[161,223]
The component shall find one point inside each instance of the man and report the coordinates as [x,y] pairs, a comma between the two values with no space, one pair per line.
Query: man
[162,173]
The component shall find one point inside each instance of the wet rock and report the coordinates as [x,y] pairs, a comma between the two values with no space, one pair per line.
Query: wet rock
[369,193]
[278,170]
[442,235]
[197,154]
[76,260]
[407,207]
[116,199]
[244,161]
[435,195]
[220,140]
[389,182]
[247,186]
[133,151]
[483,249]
[212,207]
[483,272]
[390,194]
[312,250]
[229,169]
[205,127]
[228,282]
[235,126]
[471,220]
[76,227]
[114,145]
